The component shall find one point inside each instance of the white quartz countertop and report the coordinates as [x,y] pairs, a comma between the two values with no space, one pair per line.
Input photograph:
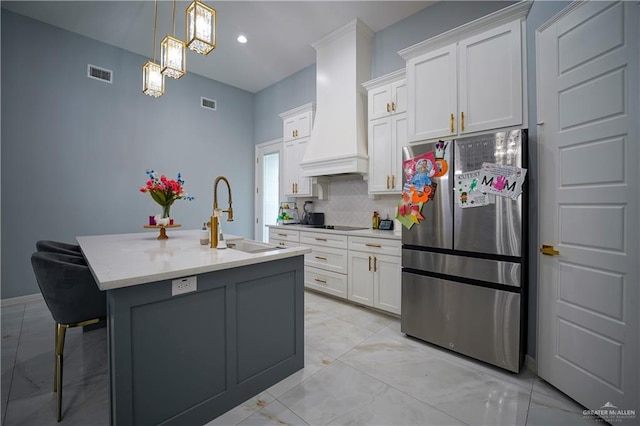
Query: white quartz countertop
[124,260]
[395,234]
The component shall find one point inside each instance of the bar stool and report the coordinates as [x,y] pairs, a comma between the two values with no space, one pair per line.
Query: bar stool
[73,298]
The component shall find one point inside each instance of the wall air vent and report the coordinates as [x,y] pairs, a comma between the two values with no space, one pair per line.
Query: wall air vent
[98,73]
[208,103]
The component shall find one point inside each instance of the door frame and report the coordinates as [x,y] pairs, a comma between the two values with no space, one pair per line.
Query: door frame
[262,149]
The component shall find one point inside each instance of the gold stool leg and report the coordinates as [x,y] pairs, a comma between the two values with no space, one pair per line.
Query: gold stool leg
[60,335]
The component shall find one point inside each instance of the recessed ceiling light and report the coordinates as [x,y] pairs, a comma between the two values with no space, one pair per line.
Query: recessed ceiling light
[242,39]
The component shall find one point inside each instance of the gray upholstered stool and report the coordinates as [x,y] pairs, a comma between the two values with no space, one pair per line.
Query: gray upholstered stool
[73,298]
[58,247]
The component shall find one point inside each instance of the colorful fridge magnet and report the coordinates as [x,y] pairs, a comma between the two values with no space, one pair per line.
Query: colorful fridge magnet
[467,193]
[441,164]
[419,170]
[501,180]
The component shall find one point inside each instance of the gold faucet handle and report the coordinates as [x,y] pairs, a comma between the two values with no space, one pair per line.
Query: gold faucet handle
[230,214]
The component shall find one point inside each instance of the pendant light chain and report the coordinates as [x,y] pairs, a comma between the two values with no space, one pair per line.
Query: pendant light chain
[155,24]
[174,18]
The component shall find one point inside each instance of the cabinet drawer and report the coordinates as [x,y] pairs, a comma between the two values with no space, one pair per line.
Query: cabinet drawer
[325,281]
[376,245]
[324,239]
[284,235]
[328,258]
[283,243]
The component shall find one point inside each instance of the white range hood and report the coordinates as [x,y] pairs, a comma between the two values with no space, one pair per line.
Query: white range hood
[338,142]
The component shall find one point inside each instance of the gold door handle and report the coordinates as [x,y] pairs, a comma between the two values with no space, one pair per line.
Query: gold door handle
[375,264]
[282,235]
[462,119]
[388,107]
[372,245]
[452,118]
[393,106]
[387,181]
[369,262]
[393,181]
[320,239]
[549,250]
[321,258]
[320,281]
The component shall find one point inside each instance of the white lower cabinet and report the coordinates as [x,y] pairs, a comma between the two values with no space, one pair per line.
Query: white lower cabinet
[375,277]
[284,238]
[325,268]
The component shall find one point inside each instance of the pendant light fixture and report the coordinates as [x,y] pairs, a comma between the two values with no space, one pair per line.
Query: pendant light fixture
[201,27]
[173,53]
[152,78]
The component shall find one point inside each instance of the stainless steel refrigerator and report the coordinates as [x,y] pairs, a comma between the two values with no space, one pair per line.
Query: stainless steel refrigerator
[464,267]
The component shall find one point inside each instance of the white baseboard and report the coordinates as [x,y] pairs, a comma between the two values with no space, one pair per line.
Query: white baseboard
[36,297]
[530,363]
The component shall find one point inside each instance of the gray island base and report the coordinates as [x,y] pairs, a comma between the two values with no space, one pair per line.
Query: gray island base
[186,359]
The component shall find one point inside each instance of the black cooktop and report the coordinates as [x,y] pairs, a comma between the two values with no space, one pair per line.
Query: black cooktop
[335,227]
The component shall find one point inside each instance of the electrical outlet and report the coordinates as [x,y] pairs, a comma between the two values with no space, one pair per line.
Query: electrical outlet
[183,285]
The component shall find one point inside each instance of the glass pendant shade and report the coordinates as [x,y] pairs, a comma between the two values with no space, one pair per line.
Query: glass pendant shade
[152,80]
[201,27]
[172,55]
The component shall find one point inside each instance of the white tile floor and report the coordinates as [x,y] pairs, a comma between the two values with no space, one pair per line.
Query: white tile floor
[359,370]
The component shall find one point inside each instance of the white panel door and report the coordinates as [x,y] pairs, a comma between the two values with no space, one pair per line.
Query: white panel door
[588,297]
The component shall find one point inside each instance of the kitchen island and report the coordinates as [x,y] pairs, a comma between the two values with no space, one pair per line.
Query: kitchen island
[195,331]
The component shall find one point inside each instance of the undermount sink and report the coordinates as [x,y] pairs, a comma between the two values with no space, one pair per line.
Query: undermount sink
[251,246]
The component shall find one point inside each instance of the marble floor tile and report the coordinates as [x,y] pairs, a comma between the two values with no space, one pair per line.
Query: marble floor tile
[360,369]
[547,410]
[314,361]
[243,411]
[465,393]
[340,395]
[274,414]
[334,337]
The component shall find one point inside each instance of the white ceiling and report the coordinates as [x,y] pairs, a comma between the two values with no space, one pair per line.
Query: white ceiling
[280,33]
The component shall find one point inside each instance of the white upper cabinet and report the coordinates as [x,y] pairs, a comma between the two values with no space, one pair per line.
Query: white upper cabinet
[297,126]
[433,94]
[469,79]
[388,99]
[490,80]
[387,132]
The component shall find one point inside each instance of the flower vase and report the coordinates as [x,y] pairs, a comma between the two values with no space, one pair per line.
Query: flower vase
[166,211]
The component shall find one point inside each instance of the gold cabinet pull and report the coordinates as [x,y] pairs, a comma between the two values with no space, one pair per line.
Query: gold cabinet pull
[388,107]
[320,281]
[393,106]
[375,264]
[320,239]
[372,245]
[321,258]
[549,250]
[282,235]
[462,119]
[387,181]
[393,181]
[369,262]
[452,129]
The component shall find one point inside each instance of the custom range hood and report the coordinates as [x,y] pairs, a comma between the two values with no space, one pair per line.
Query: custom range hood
[338,143]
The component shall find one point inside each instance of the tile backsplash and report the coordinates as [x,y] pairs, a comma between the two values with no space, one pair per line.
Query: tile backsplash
[348,202]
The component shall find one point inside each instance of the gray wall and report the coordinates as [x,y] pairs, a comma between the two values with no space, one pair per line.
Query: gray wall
[293,91]
[75,150]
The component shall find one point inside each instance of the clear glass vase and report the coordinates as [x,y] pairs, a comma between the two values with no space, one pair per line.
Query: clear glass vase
[166,211]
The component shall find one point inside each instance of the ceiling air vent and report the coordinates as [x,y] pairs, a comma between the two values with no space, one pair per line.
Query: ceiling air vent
[208,103]
[98,73]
